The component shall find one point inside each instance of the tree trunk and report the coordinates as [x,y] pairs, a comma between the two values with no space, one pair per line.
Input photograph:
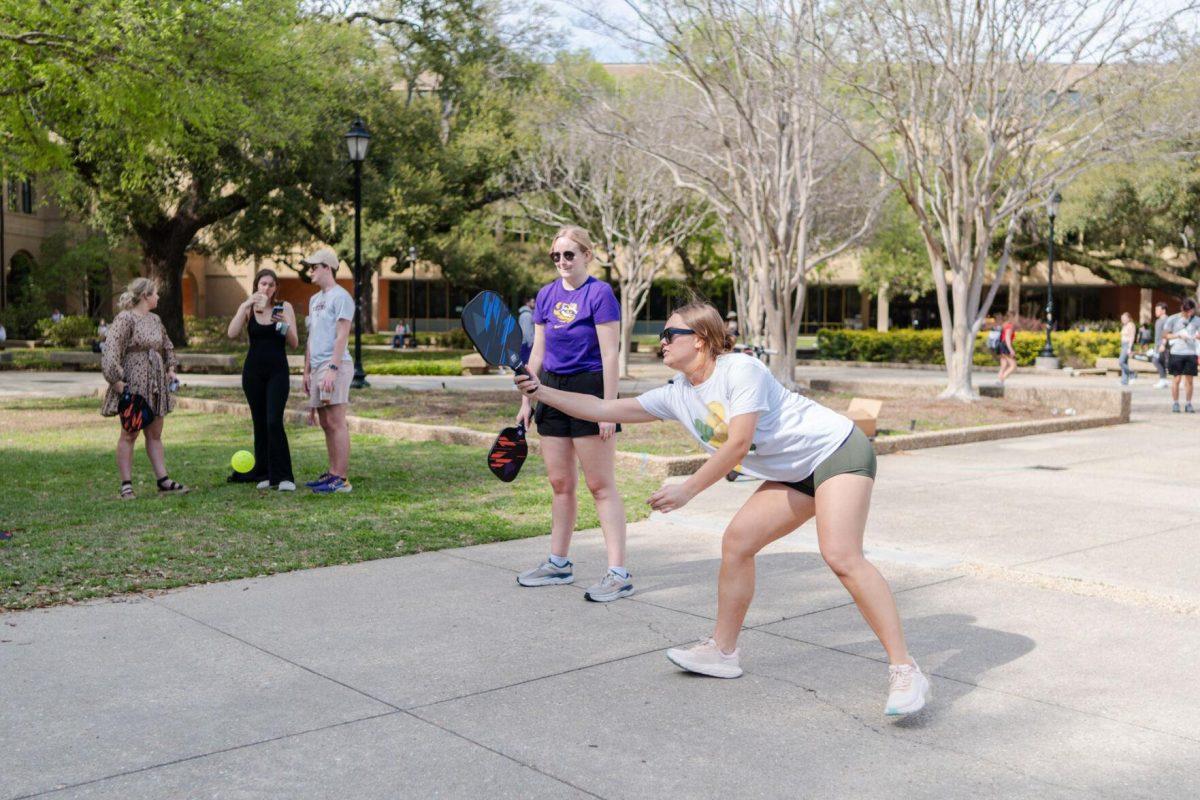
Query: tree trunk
[368,299]
[164,263]
[961,356]
[882,321]
[626,339]
[782,329]
[632,300]
[1014,289]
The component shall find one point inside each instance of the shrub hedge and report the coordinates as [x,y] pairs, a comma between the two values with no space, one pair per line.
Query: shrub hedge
[1074,348]
[72,331]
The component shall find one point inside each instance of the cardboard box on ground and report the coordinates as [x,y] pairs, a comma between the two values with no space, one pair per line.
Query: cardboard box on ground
[864,412]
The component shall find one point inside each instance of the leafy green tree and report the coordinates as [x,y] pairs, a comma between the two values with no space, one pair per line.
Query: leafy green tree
[445,122]
[895,260]
[162,118]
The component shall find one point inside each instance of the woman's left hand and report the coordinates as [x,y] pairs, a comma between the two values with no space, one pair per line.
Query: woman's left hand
[170,375]
[607,430]
[527,384]
[670,497]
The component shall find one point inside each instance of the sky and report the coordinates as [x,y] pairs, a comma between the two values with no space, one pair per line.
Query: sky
[579,33]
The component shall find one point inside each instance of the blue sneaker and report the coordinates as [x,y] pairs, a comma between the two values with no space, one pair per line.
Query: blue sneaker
[335,485]
[325,476]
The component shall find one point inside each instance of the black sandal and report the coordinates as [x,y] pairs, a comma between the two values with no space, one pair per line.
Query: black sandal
[127,491]
[168,486]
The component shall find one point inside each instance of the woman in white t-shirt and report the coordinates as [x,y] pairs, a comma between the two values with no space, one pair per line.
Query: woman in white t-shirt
[813,461]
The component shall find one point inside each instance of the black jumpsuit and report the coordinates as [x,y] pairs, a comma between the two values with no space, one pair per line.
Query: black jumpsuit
[266,384]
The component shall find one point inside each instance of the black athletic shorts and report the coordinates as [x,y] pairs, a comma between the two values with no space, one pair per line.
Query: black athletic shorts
[1181,365]
[552,422]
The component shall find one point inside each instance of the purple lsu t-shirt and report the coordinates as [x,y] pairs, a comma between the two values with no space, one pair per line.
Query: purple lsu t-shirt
[571,318]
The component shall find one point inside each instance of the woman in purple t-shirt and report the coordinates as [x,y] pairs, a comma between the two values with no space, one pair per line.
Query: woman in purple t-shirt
[575,347]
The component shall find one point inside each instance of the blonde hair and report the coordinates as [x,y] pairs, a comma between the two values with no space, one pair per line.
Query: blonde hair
[135,291]
[575,234]
[709,327]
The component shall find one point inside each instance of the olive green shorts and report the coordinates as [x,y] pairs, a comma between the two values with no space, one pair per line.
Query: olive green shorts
[856,456]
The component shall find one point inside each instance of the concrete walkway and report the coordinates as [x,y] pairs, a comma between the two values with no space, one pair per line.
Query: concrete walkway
[1049,584]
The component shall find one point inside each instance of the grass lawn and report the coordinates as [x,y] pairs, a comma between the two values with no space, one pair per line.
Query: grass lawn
[72,539]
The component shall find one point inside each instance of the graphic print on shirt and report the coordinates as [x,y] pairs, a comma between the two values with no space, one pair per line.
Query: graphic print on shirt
[714,430]
[565,312]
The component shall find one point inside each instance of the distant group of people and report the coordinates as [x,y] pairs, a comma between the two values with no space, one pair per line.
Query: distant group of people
[139,365]
[1172,346]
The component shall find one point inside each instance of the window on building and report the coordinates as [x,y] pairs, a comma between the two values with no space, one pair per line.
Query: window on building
[20,195]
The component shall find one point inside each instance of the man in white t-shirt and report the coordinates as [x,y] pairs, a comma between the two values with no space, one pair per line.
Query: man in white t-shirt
[1180,333]
[328,368]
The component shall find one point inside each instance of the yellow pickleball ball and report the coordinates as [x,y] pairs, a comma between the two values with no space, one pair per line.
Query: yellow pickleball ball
[242,461]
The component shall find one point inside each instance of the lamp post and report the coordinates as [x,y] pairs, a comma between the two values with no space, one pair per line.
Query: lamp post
[356,142]
[412,294]
[1048,349]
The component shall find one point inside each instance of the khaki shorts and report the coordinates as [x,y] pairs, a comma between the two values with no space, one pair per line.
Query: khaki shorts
[341,385]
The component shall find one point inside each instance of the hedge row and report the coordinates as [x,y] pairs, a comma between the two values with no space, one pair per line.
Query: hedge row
[1074,348]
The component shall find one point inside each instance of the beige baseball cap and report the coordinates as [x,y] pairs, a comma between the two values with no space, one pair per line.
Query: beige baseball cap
[325,256]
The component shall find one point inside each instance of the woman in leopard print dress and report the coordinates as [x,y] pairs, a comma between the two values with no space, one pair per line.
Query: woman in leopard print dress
[139,357]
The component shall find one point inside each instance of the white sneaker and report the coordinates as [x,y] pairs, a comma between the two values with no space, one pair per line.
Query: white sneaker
[908,690]
[706,658]
[1162,384]
[287,486]
[263,485]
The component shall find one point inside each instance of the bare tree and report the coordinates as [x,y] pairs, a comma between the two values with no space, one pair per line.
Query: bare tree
[986,106]
[747,94]
[579,176]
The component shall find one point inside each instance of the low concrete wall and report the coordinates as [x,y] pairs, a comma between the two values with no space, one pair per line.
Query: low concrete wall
[987,433]
[188,362]
[1110,403]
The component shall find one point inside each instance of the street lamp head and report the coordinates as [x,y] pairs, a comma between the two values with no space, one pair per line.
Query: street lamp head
[357,140]
[412,253]
[1052,204]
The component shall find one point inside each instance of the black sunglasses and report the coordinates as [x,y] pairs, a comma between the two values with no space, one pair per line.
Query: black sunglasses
[569,255]
[668,334]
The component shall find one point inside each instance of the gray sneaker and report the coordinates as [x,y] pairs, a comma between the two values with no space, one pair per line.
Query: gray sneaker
[546,574]
[611,587]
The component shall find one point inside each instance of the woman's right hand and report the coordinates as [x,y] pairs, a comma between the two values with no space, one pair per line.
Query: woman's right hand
[119,386]
[525,415]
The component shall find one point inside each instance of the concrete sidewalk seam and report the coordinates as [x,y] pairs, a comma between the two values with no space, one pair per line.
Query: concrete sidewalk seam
[984,688]
[535,679]
[886,730]
[284,659]
[198,756]
[849,603]
[504,755]
[1183,526]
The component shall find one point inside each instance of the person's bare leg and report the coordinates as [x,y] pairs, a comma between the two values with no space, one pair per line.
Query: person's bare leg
[154,447]
[597,458]
[559,454]
[1188,383]
[125,445]
[337,438]
[843,503]
[1175,388]
[771,513]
